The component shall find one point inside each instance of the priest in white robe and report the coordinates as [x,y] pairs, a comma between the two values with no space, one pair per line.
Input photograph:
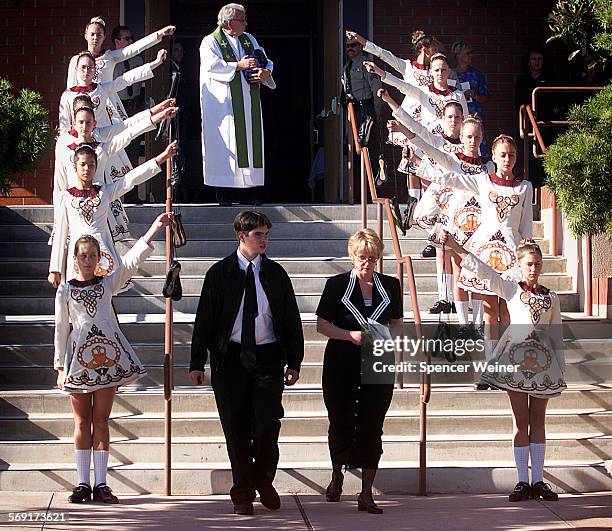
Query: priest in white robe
[232,126]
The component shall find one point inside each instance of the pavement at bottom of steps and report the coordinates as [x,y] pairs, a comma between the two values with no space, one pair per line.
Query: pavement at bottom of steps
[300,512]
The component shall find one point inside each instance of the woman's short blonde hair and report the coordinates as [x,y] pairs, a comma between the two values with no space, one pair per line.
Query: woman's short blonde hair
[367,242]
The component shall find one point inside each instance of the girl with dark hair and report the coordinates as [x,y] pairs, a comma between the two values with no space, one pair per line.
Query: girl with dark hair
[533,345]
[84,208]
[94,358]
[105,61]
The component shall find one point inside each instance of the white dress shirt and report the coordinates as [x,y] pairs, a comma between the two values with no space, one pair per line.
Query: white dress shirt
[264,330]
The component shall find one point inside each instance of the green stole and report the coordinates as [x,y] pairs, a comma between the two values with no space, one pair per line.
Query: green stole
[238,103]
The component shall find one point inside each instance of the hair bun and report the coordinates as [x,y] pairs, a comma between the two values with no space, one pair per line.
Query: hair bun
[98,20]
[527,241]
[417,36]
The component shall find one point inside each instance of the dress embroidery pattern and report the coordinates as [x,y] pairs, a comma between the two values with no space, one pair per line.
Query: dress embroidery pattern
[89,297]
[496,254]
[537,304]
[116,174]
[530,356]
[443,196]
[503,203]
[467,218]
[86,206]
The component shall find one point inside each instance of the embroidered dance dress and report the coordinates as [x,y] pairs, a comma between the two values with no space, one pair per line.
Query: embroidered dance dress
[95,354]
[85,212]
[534,340]
[99,93]
[65,176]
[356,411]
[105,68]
[506,219]
[418,75]
[436,198]
[432,100]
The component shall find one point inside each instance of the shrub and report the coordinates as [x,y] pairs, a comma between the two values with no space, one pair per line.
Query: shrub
[24,133]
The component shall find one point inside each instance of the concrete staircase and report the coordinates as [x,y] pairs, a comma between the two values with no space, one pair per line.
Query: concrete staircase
[469,433]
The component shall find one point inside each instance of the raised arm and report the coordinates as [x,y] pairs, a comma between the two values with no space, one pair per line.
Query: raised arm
[141,73]
[62,327]
[501,287]
[60,239]
[435,141]
[453,179]
[65,113]
[142,249]
[139,46]
[401,65]
[141,173]
[71,79]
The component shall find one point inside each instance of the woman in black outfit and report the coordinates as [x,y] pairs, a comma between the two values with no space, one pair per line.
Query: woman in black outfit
[356,410]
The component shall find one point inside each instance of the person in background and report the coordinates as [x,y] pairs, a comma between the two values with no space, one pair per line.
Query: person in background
[474,85]
[131,97]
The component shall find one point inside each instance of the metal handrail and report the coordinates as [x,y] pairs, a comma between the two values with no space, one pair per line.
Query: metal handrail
[367,182]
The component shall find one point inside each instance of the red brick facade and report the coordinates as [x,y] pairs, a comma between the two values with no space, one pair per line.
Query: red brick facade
[38,39]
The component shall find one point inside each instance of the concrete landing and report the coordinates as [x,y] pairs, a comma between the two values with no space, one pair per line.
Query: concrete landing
[592,511]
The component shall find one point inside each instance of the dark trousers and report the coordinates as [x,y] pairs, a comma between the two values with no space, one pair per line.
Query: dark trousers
[356,412]
[244,196]
[250,409]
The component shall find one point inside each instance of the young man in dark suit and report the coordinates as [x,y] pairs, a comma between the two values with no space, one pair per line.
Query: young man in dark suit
[248,319]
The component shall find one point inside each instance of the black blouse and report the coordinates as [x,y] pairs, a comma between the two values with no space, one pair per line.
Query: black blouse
[342,302]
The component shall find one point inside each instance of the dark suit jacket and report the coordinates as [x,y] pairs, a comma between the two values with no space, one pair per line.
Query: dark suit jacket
[219,304]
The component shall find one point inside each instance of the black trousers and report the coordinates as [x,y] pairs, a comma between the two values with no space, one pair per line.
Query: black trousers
[250,409]
[356,411]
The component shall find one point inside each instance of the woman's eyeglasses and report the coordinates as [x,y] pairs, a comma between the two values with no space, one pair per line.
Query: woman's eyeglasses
[368,259]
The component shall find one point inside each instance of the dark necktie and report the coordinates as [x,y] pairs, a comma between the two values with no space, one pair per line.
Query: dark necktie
[130,91]
[249,312]
[347,75]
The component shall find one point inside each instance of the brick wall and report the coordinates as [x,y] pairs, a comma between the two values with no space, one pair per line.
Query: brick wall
[500,33]
[37,40]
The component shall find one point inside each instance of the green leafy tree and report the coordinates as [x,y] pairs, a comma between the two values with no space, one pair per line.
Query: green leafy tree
[579,166]
[24,133]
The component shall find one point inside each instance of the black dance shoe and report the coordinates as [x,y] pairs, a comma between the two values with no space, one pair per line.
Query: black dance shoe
[407,222]
[441,307]
[543,490]
[334,489]
[172,286]
[429,252]
[369,506]
[81,493]
[482,386]
[397,216]
[269,498]
[522,491]
[103,493]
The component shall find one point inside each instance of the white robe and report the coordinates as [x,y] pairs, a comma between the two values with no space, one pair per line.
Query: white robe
[219,152]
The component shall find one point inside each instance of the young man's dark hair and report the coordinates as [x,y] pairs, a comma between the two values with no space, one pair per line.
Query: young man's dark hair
[249,220]
[116,34]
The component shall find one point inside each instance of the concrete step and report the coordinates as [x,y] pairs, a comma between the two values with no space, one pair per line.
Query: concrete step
[310,283]
[488,447]
[576,352]
[129,302]
[449,400]
[219,248]
[41,428]
[35,329]
[39,268]
[199,230]
[215,214]
[587,372]
[469,477]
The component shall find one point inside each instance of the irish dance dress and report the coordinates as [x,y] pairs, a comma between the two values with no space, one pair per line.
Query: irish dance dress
[82,212]
[95,354]
[533,342]
[105,67]
[506,219]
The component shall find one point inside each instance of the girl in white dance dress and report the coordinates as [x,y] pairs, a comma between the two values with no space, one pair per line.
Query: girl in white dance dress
[94,358]
[533,345]
[106,60]
[83,209]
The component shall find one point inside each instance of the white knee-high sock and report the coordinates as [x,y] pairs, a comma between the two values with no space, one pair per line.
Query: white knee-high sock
[442,288]
[415,192]
[489,348]
[477,311]
[449,281]
[521,459]
[83,464]
[537,451]
[462,311]
[100,459]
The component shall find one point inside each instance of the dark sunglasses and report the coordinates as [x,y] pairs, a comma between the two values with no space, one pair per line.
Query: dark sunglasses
[353,45]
